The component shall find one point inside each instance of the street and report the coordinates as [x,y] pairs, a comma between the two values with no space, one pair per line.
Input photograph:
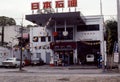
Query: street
[52,74]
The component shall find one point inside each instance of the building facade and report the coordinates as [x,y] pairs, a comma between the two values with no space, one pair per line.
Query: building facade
[69,37]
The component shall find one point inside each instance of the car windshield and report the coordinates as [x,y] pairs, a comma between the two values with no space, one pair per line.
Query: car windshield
[9,59]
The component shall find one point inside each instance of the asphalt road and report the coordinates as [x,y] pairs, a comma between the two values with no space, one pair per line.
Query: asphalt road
[38,74]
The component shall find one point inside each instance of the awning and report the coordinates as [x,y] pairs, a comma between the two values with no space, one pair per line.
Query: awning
[71,18]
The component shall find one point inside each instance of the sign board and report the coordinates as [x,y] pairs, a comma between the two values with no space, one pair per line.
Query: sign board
[47,5]
[59,3]
[72,3]
[116,57]
[35,6]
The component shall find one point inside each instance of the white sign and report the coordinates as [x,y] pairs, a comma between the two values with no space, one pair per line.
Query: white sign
[116,57]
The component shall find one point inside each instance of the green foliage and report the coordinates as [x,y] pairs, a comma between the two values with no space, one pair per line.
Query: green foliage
[6,21]
[111,34]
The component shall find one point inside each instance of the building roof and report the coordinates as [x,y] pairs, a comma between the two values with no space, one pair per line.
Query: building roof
[72,18]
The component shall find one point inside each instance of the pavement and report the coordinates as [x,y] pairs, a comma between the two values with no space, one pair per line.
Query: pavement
[48,73]
[75,69]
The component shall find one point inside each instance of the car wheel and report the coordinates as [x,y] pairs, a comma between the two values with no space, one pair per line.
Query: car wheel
[23,65]
[16,65]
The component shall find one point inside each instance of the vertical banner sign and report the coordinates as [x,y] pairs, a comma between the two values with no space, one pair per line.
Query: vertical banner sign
[35,6]
[59,3]
[72,3]
[47,5]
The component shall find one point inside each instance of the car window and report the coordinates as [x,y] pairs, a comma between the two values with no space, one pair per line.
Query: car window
[9,59]
[89,56]
[17,59]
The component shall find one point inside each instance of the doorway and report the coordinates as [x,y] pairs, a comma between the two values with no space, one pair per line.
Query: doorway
[66,56]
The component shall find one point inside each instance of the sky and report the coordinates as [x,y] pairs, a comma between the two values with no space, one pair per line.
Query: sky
[17,9]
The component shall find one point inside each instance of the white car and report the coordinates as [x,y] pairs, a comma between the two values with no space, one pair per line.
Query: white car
[12,62]
[90,57]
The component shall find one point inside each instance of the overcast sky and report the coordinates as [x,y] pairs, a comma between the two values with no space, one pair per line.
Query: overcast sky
[19,8]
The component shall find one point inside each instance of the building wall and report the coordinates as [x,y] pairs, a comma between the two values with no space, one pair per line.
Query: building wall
[41,47]
[77,36]
[10,34]
[93,35]
[4,54]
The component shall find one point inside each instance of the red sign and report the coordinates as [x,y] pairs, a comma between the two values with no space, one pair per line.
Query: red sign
[55,33]
[72,3]
[59,3]
[25,35]
[47,5]
[34,6]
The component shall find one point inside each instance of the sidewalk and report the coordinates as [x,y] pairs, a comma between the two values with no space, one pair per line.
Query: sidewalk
[68,67]
[58,70]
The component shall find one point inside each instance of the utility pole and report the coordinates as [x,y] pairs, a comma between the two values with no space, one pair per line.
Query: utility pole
[118,20]
[104,57]
[3,26]
[21,43]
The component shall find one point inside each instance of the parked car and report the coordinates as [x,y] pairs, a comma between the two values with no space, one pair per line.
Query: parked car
[90,57]
[12,62]
[37,61]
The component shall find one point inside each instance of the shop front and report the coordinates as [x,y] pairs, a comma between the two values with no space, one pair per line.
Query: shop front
[88,52]
[63,53]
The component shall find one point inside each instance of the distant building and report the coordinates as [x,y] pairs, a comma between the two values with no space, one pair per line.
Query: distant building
[10,34]
[11,38]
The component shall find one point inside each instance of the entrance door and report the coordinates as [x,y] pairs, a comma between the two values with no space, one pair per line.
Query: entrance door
[66,56]
[47,58]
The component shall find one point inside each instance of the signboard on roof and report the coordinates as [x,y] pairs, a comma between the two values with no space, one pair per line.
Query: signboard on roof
[35,6]
[58,4]
[72,3]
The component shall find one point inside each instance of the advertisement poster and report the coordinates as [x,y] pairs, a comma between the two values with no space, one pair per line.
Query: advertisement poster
[116,57]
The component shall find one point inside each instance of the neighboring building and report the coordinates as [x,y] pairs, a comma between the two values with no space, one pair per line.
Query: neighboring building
[11,37]
[68,36]
[4,54]
[10,34]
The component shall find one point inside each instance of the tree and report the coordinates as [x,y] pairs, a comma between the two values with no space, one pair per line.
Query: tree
[5,21]
[111,35]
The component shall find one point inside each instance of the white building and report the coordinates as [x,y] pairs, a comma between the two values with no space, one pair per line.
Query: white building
[11,34]
[68,35]
[4,54]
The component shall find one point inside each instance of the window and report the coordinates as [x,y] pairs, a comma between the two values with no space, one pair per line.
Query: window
[35,39]
[43,39]
[88,27]
[49,38]
[38,55]
[60,35]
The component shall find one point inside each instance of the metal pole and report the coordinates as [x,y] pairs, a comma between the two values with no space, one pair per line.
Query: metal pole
[12,47]
[21,50]
[3,25]
[118,20]
[101,13]
[21,45]
[103,51]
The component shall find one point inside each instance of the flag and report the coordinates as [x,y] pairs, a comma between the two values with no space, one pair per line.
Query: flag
[59,3]
[34,6]
[47,5]
[72,3]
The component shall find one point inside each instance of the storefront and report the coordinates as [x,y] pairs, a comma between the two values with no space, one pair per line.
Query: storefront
[88,52]
[63,52]
[74,39]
